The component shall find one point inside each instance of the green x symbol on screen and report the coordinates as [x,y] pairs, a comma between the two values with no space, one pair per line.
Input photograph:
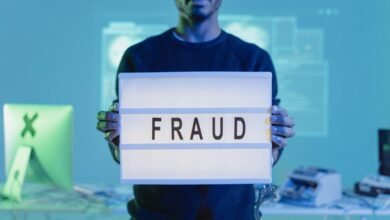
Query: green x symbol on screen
[28,127]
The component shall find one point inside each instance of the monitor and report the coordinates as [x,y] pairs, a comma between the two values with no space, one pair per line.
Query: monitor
[38,146]
[384,152]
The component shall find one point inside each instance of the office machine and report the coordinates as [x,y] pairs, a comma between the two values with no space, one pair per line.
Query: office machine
[375,185]
[312,187]
[38,147]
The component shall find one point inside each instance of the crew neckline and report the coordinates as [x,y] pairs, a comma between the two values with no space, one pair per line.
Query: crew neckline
[171,36]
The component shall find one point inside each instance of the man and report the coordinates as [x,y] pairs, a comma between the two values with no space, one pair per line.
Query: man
[196,44]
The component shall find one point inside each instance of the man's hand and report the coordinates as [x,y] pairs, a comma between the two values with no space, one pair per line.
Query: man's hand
[108,123]
[282,128]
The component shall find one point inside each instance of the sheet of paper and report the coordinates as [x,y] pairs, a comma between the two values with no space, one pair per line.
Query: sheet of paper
[195,127]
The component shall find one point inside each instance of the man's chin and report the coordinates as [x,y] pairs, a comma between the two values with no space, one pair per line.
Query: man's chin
[199,16]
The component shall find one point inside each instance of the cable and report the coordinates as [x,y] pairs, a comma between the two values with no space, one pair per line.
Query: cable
[265,192]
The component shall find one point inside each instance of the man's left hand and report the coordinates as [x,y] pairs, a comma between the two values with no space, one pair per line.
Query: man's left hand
[282,127]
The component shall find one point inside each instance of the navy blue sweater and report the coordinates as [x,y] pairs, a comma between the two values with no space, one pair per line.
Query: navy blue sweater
[165,53]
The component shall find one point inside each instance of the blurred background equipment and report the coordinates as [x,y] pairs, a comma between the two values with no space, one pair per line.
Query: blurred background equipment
[38,146]
[375,185]
[312,187]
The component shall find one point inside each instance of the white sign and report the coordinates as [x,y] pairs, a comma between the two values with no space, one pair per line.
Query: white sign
[195,127]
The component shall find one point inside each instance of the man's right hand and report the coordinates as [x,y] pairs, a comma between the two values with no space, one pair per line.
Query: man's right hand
[108,123]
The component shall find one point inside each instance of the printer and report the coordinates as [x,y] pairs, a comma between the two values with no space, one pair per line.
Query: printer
[311,187]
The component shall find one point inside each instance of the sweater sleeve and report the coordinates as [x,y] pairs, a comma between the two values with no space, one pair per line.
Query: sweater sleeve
[126,65]
[268,66]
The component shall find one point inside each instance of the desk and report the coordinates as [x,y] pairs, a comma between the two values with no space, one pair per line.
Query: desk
[110,203]
[48,202]
[280,209]
[347,207]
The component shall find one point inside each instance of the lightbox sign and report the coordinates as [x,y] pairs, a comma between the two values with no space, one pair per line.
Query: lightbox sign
[195,127]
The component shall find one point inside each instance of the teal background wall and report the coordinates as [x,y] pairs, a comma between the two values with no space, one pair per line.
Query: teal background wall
[50,53]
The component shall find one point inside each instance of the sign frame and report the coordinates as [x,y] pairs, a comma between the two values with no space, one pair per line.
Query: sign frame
[146,108]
